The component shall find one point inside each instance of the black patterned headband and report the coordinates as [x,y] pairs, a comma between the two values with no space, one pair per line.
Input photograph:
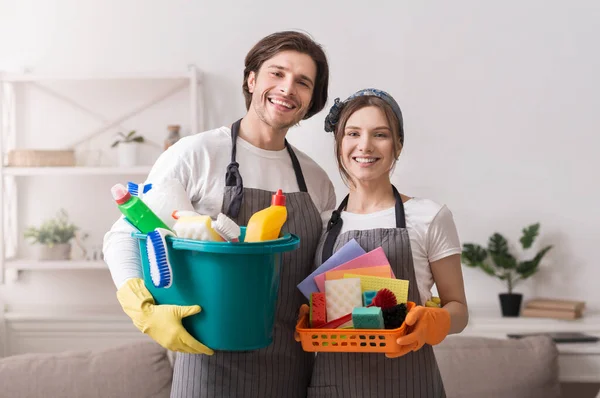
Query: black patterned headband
[334,113]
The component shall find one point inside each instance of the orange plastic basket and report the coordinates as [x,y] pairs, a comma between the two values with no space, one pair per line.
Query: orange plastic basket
[350,340]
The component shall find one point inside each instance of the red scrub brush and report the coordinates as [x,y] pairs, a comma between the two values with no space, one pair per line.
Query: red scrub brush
[384,299]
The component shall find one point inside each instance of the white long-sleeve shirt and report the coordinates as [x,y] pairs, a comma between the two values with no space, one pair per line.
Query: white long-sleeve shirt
[199,163]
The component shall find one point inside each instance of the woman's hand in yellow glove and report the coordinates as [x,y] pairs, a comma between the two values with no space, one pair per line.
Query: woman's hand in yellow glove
[426,325]
[161,322]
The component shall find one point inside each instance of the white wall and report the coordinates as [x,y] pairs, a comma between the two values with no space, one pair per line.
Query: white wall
[500,104]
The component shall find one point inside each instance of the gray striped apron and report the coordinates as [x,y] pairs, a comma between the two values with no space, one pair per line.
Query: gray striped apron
[348,375]
[282,369]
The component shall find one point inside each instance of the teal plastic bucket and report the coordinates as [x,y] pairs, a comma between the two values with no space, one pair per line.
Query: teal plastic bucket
[236,284]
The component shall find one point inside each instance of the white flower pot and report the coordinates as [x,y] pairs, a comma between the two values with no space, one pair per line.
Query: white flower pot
[127,154]
[55,253]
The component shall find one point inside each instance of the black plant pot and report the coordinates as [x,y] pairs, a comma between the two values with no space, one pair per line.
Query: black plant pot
[510,303]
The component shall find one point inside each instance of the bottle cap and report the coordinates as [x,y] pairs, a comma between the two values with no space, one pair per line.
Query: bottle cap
[120,194]
[278,199]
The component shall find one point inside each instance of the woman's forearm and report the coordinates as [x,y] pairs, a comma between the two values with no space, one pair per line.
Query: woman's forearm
[459,316]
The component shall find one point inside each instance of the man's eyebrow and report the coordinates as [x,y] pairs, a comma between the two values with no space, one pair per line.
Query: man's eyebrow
[283,68]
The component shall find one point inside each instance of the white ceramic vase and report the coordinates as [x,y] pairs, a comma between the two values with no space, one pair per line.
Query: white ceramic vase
[58,252]
[127,153]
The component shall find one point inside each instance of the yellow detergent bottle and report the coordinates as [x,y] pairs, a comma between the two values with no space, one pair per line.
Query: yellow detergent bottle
[266,224]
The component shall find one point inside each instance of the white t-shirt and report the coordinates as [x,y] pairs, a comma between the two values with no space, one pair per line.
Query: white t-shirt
[431,230]
[199,163]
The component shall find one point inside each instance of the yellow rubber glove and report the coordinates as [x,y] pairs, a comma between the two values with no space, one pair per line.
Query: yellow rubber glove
[426,325]
[161,322]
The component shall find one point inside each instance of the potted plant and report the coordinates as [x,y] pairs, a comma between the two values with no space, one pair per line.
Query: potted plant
[127,148]
[497,261]
[53,237]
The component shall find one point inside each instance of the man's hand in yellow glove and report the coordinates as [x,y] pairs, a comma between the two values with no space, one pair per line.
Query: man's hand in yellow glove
[426,325]
[161,322]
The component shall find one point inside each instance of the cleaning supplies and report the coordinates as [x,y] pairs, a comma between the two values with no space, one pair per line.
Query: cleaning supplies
[318,310]
[394,316]
[195,227]
[367,318]
[227,228]
[384,299]
[266,224]
[426,326]
[136,211]
[161,322]
[166,196]
[160,267]
[138,189]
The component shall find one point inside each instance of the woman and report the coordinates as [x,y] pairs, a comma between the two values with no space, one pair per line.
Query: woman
[419,238]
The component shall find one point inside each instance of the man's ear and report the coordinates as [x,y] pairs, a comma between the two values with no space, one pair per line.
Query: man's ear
[251,81]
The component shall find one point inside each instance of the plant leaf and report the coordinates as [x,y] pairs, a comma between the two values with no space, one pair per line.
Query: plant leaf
[505,261]
[114,144]
[131,133]
[488,269]
[138,139]
[529,235]
[473,254]
[530,267]
[497,245]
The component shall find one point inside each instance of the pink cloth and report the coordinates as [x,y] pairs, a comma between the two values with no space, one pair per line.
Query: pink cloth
[373,258]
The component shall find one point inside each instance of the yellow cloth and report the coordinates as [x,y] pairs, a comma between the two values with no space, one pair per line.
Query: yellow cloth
[398,286]
[426,325]
[161,322]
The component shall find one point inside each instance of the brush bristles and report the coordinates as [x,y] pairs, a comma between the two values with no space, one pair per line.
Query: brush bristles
[160,271]
[227,228]
[385,298]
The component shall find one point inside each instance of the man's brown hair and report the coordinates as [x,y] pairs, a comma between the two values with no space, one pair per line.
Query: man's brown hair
[275,43]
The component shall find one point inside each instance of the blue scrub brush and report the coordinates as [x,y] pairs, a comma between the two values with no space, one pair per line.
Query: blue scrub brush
[156,249]
[135,189]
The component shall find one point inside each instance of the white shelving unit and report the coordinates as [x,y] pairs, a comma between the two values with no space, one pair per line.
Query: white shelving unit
[11,267]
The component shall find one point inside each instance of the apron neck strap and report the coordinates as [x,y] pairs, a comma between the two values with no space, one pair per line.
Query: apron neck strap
[335,223]
[233,178]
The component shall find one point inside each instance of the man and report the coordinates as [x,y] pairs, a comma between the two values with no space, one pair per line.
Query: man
[286,80]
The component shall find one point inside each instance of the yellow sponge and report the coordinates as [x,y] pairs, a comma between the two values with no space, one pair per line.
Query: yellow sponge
[398,286]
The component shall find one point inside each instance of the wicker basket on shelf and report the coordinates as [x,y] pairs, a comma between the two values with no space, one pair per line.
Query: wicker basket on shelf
[41,158]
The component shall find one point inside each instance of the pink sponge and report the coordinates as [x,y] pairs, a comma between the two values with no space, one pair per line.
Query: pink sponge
[318,310]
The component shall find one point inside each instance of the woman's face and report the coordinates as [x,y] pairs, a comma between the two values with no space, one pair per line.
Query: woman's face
[367,149]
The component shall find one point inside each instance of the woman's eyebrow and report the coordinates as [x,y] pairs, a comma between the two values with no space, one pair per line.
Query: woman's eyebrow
[376,128]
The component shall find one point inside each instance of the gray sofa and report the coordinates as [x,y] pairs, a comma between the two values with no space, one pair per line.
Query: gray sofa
[470,366]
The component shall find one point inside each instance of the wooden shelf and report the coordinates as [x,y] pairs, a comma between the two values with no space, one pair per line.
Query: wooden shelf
[32,77]
[60,171]
[13,268]
[35,265]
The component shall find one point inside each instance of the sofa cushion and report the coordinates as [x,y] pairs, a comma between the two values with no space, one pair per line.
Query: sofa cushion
[474,367]
[139,369]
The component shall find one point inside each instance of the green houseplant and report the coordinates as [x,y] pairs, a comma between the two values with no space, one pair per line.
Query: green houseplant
[497,261]
[53,237]
[127,147]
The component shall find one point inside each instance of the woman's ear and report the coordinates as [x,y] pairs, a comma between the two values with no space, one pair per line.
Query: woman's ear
[398,152]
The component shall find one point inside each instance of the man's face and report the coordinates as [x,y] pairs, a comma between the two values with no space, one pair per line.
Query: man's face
[282,89]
